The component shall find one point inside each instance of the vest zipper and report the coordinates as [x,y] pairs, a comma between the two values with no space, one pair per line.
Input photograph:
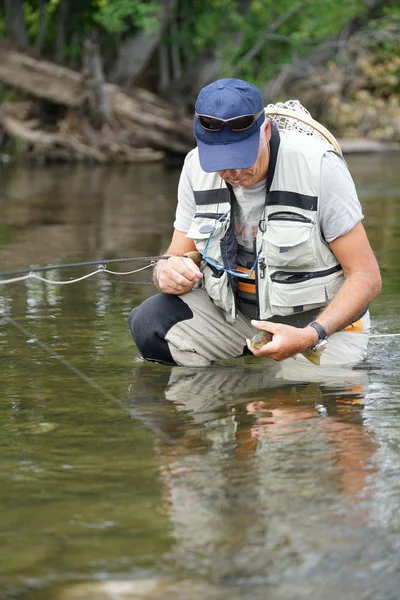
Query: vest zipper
[209,215]
[292,277]
[261,269]
[289,216]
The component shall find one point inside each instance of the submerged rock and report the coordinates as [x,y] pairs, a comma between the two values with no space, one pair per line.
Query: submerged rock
[146,589]
[115,590]
[36,427]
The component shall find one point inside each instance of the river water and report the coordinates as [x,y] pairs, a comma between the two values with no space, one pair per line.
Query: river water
[123,479]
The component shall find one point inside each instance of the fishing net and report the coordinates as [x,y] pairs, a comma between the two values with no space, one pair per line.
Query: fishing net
[292,116]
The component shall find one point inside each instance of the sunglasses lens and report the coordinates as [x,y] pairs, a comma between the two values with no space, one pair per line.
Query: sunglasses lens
[241,123]
[235,124]
[210,123]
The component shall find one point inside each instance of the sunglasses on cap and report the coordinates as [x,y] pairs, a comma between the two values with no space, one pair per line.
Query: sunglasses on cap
[235,123]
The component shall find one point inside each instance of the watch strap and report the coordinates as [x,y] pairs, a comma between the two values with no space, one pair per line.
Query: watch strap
[319,329]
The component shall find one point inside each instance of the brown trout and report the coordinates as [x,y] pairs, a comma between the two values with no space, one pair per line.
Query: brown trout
[264,337]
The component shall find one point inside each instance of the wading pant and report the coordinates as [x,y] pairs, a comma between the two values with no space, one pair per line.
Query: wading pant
[190,331]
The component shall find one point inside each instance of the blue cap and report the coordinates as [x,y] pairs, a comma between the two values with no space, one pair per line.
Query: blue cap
[226,149]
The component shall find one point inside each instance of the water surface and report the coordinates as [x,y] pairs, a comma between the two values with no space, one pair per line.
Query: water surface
[127,479]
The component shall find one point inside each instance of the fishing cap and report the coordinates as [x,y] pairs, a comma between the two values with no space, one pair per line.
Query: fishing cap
[227,149]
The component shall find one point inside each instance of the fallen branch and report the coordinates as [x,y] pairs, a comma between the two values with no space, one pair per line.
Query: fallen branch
[154,122]
[63,146]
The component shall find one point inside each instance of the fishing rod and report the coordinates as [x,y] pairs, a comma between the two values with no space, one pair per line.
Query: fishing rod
[90,263]
[194,255]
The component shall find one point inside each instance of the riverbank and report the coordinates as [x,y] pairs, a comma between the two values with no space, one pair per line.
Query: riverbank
[348,147]
[366,146]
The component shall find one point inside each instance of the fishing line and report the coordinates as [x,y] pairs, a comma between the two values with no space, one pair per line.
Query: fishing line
[376,335]
[158,432]
[90,263]
[23,274]
[120,403]
[101,269]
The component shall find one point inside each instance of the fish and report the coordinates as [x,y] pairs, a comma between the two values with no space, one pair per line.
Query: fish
[264,337]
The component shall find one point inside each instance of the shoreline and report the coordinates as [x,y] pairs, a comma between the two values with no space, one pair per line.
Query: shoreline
[347,145]
[366,146]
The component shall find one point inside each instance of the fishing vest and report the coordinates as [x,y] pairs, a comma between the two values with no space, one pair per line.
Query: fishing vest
[296,269]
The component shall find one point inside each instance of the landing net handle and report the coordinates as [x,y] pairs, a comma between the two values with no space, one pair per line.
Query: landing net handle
[288,119]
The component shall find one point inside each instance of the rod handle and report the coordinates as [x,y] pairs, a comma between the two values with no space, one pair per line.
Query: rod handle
[195,256]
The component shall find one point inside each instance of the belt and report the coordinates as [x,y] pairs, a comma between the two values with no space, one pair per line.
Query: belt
[246,285]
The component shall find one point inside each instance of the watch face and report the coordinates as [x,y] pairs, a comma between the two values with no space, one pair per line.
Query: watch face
[320,344]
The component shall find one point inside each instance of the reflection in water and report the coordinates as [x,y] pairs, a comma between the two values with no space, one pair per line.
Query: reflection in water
[270,471]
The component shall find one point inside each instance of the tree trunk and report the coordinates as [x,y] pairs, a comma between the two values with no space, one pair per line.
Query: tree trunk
[196,75]
[138,49]
[42,25]
[15,21]
[186,82]
[163,68]
[95,101]
[61,33]
[176,62]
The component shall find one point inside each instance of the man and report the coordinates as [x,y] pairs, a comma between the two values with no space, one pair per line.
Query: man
[277,222]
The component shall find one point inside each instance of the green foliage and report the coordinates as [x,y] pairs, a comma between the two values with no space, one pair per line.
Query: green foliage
[31,19]
[118,16]
[111,17]
[212,21]
[289,32]
[8,94]
[3,26]
[255,39]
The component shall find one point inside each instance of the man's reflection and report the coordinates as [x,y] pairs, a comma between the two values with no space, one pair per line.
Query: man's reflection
[259,452]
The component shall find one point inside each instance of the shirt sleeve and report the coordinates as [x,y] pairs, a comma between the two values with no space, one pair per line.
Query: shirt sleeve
[340,209]
[186,207]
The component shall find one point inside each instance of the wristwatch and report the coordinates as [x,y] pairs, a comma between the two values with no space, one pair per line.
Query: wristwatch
[322,337]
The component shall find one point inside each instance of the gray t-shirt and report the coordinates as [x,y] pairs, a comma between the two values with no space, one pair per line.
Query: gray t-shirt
[340,209]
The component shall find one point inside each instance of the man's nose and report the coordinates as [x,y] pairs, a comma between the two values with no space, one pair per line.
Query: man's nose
[233,173]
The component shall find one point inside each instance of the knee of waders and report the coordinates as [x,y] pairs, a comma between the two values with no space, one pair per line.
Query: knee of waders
[150,322]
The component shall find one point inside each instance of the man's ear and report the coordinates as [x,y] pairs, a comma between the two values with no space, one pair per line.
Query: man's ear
[267,130]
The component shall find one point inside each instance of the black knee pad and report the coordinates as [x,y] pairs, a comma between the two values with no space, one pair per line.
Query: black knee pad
[150,322]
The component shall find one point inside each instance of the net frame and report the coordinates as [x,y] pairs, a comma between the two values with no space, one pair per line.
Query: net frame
[292,116]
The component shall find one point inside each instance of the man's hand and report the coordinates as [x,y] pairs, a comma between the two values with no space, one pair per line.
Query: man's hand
[177,275]
[287,340]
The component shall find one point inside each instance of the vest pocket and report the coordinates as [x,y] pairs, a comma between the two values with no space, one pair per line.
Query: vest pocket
[220,292]
[292,292]
[289,299]
[288,239]
[205,226]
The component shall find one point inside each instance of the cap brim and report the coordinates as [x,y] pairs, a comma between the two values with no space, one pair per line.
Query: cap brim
[236,155]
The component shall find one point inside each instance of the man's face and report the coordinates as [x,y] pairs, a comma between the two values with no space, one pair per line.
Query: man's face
[257,171]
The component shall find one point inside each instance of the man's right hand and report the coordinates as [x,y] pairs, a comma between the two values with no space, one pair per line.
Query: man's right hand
[177,275]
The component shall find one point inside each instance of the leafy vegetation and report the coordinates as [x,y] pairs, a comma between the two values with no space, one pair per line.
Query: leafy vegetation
[118,16]
[250,39]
